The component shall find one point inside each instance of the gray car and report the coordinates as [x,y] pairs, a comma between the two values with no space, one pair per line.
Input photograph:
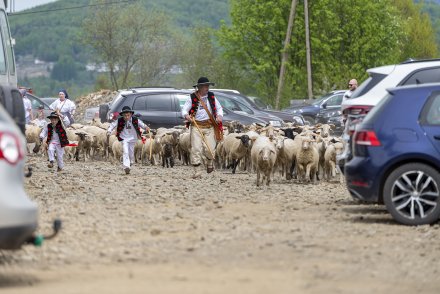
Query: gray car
[18,214]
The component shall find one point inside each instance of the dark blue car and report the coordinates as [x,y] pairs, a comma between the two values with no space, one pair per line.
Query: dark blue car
[396,155]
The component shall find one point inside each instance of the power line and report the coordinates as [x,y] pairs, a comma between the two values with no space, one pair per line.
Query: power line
[69,8]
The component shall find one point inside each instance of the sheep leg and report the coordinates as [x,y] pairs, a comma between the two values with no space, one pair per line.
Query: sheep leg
[308,168]
[258,178]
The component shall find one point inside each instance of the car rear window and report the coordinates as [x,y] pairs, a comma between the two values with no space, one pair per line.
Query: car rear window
[368,84]
[430,114]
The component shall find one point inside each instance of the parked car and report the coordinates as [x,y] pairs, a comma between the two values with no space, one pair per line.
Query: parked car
[36,103]
[231,102]
[285,116]
[11,100]
[48,100]
[332,117]
[330,100]
[374,89]
[161,107]
[18,214]
[396,155]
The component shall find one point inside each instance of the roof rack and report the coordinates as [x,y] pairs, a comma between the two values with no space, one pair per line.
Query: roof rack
[412,60]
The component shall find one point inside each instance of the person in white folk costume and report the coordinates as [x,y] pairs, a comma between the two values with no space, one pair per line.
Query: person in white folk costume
[128,131]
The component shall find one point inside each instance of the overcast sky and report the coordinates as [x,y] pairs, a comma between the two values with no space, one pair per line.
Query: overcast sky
[25,4]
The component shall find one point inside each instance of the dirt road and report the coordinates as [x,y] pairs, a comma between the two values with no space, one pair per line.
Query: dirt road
[157,231]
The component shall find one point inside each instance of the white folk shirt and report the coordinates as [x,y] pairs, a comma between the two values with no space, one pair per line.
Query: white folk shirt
[27,107]
[347,95]
[128,133]
[201,114]
[63,106]
[55,138]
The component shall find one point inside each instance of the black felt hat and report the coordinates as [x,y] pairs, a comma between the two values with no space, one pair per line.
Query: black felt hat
[126,109]
[53,115]
[203,81]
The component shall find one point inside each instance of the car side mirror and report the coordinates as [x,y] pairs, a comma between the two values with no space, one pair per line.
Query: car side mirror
[324,105]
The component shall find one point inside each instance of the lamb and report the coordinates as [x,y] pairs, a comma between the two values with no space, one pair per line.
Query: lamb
[235,147]
[101,140]
[184,147]
[70,151]
[167,155]
[263,156]
[307,160]
[333,149]
[287,150]
[33,136]
[155,150]
[117,151]
[85,143]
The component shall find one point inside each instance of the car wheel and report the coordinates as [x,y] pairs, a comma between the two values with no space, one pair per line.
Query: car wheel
[103,110]
[411,194]
[310,120]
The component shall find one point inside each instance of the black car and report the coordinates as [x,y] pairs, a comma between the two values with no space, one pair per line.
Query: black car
[233,103]
[161,107]
[282,115]
[331,100]
[331,116]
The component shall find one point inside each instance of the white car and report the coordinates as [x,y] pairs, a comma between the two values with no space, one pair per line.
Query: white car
[18,214]
[374,89]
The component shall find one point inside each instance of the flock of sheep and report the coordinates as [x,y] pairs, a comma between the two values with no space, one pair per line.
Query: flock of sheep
[305,152]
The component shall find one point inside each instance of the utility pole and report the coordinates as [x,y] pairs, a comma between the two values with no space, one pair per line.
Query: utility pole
[308,56]
[284,53]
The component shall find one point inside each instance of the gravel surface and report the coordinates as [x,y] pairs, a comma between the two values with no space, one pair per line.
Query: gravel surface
[158,231]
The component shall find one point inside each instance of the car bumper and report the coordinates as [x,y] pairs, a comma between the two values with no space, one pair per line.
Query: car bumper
[362,179]
[15,237]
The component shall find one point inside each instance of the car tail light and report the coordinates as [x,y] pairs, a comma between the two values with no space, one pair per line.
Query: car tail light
[10,148]
[113,115]
[367,138]
[357,110]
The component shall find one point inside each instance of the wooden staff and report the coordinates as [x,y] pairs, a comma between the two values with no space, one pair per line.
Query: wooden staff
[203,136]
[151,142]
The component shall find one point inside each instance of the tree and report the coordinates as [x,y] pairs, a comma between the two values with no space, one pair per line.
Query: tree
[347,37]
[128,40]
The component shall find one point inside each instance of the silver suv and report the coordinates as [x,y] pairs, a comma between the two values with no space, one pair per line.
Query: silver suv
[18,214]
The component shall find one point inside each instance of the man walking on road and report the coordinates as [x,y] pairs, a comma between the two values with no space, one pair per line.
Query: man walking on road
[195,111]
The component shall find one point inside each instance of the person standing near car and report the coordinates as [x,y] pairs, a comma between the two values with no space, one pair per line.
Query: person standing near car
[27,106]
[352,85]
[128,131]
[64,106]
[203,141]
[56,140]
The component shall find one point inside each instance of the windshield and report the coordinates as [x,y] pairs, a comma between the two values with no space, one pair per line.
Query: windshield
[320,99]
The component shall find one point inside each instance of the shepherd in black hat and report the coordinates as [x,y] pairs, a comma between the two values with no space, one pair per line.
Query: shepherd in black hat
[128,132]
[204,113]
[56,141]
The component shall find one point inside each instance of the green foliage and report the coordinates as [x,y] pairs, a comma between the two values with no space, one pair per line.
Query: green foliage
[347,37]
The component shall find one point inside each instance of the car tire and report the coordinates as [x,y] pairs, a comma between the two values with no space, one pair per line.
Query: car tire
[308,119]
[103,110]
[412,194]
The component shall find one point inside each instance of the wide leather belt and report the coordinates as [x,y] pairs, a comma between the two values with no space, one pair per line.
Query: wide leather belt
[204,124]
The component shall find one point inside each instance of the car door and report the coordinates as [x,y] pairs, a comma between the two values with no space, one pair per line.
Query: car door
[334,102]
[430,119]
[36,102]
[156,110]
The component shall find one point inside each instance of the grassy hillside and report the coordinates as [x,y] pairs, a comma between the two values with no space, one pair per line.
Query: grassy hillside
[50,31]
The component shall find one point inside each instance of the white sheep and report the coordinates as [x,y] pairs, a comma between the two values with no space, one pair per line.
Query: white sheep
[263,156]
[32,133]
[333,149]
[307,160]
[235,147]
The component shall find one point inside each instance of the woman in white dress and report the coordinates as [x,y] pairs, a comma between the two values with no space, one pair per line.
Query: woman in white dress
[64,106]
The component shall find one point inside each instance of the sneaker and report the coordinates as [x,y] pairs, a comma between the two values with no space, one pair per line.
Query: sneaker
[59,169]
[209,169]
[127,170]
[50,165]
